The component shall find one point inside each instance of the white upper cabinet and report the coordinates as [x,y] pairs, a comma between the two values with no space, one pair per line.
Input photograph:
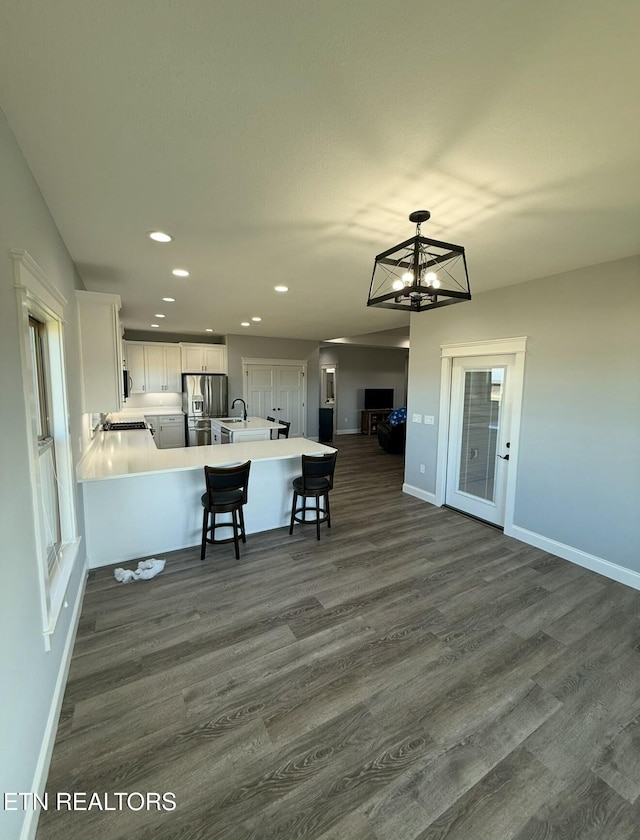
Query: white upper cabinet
[100,351]
[204,358]
[153,367]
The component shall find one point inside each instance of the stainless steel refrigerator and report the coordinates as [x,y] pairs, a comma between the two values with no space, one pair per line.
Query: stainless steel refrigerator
[204,395]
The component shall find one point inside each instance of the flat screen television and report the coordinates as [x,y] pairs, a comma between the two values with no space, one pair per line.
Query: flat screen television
[378,398]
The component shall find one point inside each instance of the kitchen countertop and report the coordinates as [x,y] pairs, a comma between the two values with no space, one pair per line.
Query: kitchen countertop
[250,424]
[121,454]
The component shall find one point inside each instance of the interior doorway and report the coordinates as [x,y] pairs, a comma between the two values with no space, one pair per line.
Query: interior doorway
[480,407]
[329,390]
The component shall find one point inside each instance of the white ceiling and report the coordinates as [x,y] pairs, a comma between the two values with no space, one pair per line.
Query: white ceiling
[286,141]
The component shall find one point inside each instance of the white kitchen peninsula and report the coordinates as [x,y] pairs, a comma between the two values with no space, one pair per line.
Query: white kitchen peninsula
[141,501]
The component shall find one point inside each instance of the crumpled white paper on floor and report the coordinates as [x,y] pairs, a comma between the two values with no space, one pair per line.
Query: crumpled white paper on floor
[146,570]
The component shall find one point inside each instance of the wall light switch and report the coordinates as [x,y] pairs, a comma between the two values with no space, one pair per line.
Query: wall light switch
[417,418]
[429,419]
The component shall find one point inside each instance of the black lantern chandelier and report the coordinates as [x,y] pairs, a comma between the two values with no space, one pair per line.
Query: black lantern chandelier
[420,273]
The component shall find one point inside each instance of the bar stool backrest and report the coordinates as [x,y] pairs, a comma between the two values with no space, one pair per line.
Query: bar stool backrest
[284,432]
[227,479]
[315,467]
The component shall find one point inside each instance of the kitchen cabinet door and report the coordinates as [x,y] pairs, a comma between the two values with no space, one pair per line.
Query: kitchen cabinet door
[153,367]
[100,351]
[215,358]
[204,358]
[136,368]
[172,369]
[171,431]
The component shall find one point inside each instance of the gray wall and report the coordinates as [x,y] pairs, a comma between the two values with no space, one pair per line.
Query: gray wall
[257,347]
[360,368]
[579,457]
[28,673]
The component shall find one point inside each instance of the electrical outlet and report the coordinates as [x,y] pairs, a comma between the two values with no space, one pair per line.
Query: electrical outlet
[417,418]
[429,419]
[421,468]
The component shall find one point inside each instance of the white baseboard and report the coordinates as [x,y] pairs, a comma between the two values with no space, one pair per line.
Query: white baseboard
[347,431]
[30,823]
[575,555]
[410,490]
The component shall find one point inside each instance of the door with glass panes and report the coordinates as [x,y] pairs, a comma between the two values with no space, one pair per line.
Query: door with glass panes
[479,436]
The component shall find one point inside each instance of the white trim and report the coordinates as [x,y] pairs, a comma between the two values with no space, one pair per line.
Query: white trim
[574,555]
[493,347]
[29,275]
[347,432]
[36,294]
[30,824]
[502,346]
[272,362]
[410,490]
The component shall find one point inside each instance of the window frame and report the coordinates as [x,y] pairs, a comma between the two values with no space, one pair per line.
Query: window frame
[38,297]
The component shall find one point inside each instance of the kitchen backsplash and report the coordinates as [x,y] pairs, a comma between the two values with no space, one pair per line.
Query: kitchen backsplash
[147,400]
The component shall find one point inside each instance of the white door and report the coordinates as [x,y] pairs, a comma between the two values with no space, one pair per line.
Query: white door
[260,396]
[479,436]
[290,401]
[277,391]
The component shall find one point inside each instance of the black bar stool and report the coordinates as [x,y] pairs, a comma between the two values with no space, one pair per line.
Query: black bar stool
[315,482]
[284,432]
[226,493]
[271,420]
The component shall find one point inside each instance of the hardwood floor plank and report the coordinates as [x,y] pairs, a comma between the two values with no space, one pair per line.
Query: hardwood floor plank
[414,675]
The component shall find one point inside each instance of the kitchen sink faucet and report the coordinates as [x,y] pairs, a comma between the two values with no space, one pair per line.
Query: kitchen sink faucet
[244,407]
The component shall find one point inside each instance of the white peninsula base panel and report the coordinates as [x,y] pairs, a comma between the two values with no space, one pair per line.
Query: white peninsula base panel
[143,513]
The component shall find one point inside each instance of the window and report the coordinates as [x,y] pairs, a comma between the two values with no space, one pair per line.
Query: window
[41,384]
[40,324]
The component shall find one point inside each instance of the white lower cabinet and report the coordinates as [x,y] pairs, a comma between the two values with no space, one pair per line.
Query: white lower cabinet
[168,430]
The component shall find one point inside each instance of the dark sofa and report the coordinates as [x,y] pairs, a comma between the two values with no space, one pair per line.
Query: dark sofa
[392,438]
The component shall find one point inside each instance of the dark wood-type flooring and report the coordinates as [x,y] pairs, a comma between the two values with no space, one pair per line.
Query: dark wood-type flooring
[416,675]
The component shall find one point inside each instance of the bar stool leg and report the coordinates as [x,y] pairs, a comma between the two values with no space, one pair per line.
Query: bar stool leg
[318,517]
[326,499]
[205,522]
[242,532]
[293,512]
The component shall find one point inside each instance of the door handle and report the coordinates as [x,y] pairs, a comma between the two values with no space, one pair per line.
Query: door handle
[506,457]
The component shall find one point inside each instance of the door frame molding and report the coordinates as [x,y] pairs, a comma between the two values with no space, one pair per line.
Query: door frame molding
[517,347]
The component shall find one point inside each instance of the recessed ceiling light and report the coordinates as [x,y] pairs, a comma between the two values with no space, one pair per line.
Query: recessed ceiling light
[245,324]
[160,315]
[169,300]
[180,272]
[160,236]
[281,288]
[256,318]
[208,329]
[155,325]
